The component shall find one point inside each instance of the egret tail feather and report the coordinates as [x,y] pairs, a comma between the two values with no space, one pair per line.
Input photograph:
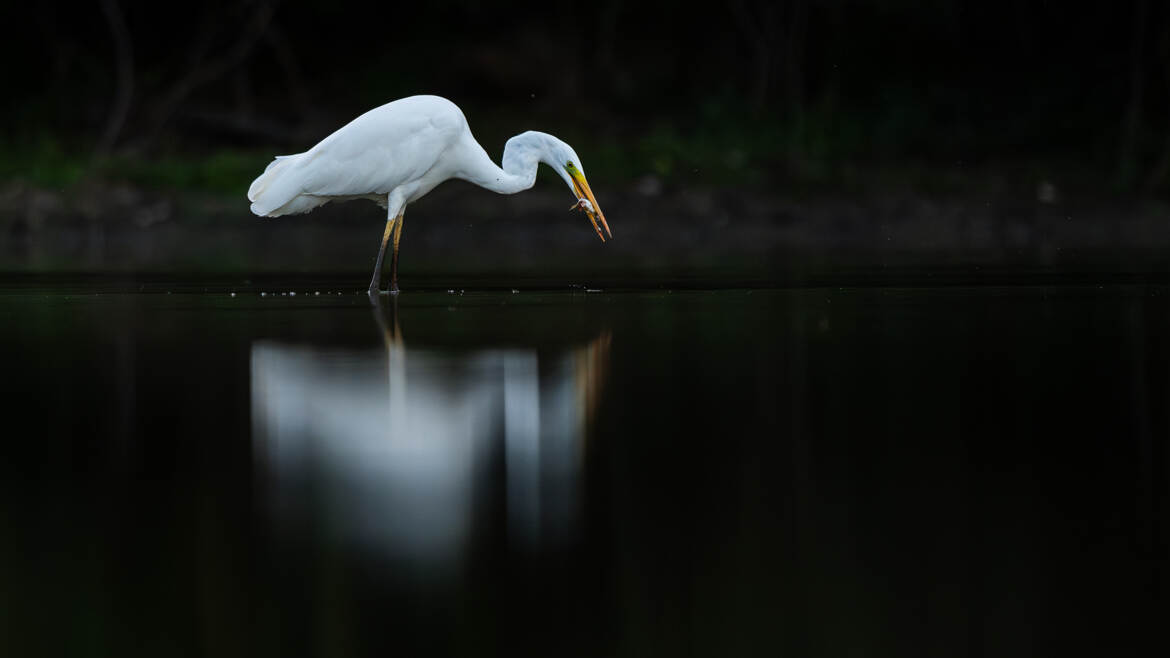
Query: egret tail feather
[279,190]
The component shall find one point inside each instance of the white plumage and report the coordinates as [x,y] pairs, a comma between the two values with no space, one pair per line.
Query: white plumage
[398,152]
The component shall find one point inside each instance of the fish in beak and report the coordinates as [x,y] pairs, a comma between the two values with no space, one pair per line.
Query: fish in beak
[587,202]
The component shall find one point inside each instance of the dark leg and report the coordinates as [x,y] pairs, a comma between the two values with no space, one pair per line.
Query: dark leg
[381,252]
[394,257]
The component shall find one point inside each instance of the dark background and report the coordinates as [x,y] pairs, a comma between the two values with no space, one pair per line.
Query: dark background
[910,450]
[829,133]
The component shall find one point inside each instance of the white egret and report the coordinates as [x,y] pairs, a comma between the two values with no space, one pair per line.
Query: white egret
[396,153]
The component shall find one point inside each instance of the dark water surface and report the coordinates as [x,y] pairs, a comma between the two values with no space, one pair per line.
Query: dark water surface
[939,470]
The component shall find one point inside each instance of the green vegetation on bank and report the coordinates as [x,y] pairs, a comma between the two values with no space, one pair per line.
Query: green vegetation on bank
[48,163]
[717,144]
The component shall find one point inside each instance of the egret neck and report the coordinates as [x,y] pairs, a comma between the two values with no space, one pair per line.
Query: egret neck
[522,155]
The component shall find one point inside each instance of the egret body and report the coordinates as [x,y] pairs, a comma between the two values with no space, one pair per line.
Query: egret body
[396,153]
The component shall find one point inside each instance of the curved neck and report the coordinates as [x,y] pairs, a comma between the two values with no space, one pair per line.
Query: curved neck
[518,173]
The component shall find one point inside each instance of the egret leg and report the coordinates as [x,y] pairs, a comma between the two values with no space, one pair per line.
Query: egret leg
[382,252]
[394,257]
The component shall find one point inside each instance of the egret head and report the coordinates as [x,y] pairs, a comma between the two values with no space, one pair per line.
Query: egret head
[564,160]
[568,165]
[571,172]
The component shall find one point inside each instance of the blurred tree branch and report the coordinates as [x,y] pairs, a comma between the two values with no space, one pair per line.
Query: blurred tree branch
[124,66]
[1161,170]
[202,73]
[1131,123]
[755,30]
[286,57]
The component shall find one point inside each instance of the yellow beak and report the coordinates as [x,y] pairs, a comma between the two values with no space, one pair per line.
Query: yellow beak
[581,188]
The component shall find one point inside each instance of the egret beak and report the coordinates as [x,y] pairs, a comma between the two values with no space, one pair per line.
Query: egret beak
[587,202]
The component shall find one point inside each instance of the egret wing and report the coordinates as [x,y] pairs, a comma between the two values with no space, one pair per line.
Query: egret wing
[385,148]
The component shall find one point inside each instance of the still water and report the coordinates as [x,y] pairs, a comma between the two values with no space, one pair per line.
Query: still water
[942,470]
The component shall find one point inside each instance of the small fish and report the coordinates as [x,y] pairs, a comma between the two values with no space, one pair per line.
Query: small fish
[582,204]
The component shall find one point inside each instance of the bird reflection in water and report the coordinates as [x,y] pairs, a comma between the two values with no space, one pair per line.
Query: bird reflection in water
[397,452]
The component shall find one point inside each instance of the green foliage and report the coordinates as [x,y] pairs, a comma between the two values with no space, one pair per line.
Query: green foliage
[42,162]
[47,163]
[823,147]
[222,171]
